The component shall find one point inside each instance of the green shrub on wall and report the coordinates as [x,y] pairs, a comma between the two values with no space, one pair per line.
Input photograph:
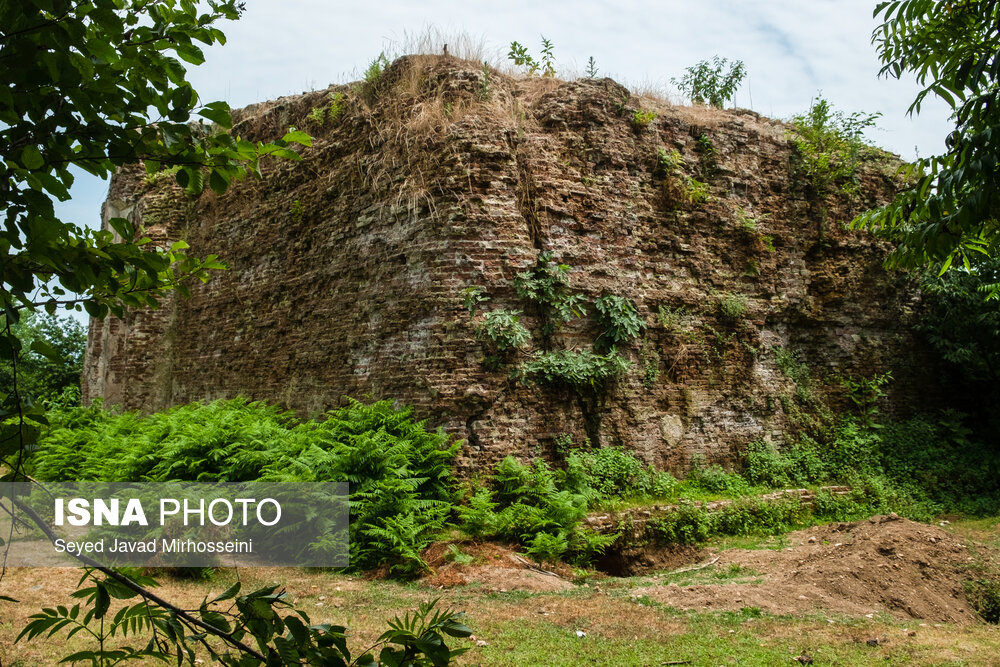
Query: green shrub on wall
[619,321]
[580,370]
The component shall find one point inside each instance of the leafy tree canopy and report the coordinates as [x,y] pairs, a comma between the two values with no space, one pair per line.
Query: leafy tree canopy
[963,328]
[953,48]
[47,377]
[100,84]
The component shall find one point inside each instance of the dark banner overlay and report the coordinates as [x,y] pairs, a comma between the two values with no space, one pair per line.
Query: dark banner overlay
[175,524]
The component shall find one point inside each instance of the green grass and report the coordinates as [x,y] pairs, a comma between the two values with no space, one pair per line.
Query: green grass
[709,640]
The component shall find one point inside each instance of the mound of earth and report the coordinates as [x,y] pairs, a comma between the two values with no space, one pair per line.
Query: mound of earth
[493,568]
[885,564]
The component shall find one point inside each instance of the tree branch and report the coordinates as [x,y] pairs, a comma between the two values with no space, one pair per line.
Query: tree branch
[136,588]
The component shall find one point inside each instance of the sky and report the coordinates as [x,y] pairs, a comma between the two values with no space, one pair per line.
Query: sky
[792,49]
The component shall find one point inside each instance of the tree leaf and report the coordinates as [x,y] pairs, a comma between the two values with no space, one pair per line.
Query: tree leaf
[31,158]
[102,601]
[298,137]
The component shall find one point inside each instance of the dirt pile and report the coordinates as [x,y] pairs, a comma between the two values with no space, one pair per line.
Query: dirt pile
[492,567]
[884,564]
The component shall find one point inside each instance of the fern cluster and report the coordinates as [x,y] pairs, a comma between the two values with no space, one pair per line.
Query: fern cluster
[400,473]
[543,508]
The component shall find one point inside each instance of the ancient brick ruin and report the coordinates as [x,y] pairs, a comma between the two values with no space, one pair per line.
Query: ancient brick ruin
[347,269]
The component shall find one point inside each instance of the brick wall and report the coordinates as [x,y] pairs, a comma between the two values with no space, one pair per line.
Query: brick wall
[347,267]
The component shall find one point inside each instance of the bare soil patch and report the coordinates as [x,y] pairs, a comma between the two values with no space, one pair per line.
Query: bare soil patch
[494,567]
[884,564]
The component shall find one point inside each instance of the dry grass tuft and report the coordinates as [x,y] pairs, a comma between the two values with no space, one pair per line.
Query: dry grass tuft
[535,87]
[431,41]
[655,91]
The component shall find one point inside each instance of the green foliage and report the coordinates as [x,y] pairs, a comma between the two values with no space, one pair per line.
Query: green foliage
[563,443]
[670,318]
[456,555]
[519,55]
[400,473]
[419,640]
[984,596]
[50,360]
[917,467]
[619,321]
[712,83]
[547,286]
[375,69]
[478,516]
[697,191]
[831,145]
[692,524]
[962,325]
[795,370]
[642,119]
[543,509]
[687,525]
[548,58]
[668,163]
[764,466]
[709,157]
[502,330]
[731,307]
[614,473]
[254,631]
[747,223]
[472,297]
[486,83]
[578,369]
[671,166]
[100,84]
[136,619]
[750,516]
[714,480]
[865,394]
[591,68]
[521,502]
[805,462]
[330,112]
[650,364]
[548,547]
[950,211]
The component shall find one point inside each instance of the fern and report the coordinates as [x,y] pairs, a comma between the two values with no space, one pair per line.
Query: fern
[399,471]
